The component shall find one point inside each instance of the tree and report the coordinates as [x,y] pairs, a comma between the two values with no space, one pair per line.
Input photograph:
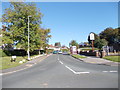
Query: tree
[74,43]
[110,34]
[58,44]
[16,19]
[0,37]
[99,43]
[44,38]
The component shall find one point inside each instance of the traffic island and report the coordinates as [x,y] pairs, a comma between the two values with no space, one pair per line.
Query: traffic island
[96,60]
[77,56]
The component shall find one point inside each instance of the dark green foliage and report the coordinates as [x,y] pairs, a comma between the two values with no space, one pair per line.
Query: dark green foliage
[65,50]
[99,43]
[74,43]
[14,52]
[111,35]
[5,53]
[58,44]
[35,52]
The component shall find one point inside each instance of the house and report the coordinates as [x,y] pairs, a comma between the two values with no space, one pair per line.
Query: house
[55,48]
[64,47]
[51,47]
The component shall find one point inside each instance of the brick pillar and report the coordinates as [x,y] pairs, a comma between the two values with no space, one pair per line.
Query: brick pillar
[97,54]
[103,54]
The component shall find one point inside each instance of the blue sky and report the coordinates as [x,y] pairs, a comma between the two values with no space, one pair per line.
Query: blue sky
[75,20]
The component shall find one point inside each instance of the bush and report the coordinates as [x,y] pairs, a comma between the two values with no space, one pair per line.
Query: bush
[35,52]
[13,52]
[89,49]
[16,52]
[65,50]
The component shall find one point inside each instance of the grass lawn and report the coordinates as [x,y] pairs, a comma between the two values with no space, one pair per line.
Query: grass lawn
[6,62]
[113,58]
[79,56]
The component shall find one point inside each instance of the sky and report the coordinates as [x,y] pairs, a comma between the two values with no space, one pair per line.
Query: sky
[75,20]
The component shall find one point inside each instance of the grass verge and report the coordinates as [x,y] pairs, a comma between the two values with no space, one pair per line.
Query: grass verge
[88,49]
[6,62]
[113,58]
[78,56]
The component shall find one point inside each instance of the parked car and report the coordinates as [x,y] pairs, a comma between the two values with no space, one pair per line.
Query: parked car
[60,52]
[65,53]
[55,52]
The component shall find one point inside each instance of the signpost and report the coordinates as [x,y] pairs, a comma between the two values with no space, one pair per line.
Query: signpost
[92,38]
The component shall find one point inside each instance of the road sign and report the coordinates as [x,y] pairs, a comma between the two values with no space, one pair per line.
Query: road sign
[92,37]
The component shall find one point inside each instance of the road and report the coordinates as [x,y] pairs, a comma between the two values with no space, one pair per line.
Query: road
[63,71]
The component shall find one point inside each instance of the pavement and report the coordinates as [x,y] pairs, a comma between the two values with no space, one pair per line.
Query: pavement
[100,61]
[26,65]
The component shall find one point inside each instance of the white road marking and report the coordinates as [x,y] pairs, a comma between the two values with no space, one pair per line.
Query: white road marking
[109,71]
[113,71]
[104,71]
[58,58]
[70,69]
[61,62]
[76,72]
[81,72]
[1,74]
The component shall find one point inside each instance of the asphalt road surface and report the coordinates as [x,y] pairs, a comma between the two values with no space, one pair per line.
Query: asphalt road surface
[63,71]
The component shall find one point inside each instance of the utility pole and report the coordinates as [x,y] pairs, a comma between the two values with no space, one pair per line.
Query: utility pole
[28,51]
[92,46]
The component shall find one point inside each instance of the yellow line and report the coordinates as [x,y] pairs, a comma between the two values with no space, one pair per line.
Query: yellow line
[43,58]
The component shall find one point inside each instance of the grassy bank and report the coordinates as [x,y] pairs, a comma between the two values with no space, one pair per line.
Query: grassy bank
[113,58]
[78,56]
[6,62]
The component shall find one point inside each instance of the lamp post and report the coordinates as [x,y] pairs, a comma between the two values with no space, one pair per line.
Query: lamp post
[28,51]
